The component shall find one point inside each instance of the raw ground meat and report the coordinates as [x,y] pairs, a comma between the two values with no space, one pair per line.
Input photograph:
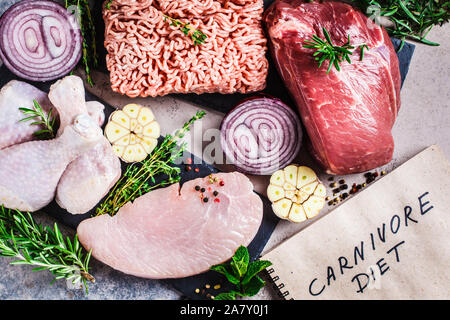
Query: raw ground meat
[147,56]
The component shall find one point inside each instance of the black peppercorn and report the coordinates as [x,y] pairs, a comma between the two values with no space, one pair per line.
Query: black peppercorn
[205,200]
[368,175]
[215,193]
[202,190]
[197,188]
[344,187]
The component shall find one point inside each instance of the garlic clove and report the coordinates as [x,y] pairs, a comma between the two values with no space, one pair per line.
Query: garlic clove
[121,118]
[132,110]
[282,208]
[290,174]
[297,213]
[310,188]
[275,193]
[152,130]
[118,150]
[115,132]
[145,116]
[277,178]
[313,206]
[149,144]
[134,153]
[305,176]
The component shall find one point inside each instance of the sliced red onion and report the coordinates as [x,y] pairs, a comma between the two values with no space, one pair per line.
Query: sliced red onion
[261,135]
[39,40]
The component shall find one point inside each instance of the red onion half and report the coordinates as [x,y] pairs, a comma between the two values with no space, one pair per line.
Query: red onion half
[261,135]
[39,40]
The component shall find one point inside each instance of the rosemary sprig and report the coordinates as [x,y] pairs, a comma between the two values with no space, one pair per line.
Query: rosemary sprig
[196,35]
[44,248]
[362,48]
[88,32]
[47,121]
[326,50]
[412,19]
[108,4]
[139,178]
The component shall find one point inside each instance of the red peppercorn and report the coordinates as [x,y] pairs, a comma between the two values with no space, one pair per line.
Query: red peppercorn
[189,161]
[216,200]
[221,183]
[188,168]
[197,169]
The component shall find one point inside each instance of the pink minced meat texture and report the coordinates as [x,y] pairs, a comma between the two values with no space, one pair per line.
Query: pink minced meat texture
[170,233]
[349,114]
[149,56]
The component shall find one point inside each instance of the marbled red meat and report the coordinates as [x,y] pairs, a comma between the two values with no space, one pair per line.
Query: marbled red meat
[349,114]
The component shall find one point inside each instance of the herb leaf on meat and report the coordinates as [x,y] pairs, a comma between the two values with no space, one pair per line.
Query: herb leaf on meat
[196,35]
[326,50]
[411,19]
[242,274]
[44,248]
[47,121]
[139,178]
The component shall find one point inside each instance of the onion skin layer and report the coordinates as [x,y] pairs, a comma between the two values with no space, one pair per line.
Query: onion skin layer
[39,40]
[261,135]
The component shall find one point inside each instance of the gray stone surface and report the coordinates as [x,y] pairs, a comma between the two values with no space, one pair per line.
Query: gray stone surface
[424,120]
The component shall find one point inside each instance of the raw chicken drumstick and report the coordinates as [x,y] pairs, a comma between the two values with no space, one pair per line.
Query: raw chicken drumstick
[88,178]
[31,171]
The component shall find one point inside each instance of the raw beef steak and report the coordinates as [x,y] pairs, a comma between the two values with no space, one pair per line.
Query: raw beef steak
[170,233]
[349,114]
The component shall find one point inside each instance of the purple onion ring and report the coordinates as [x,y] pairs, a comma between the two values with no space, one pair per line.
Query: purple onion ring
[261,135]
[39,40]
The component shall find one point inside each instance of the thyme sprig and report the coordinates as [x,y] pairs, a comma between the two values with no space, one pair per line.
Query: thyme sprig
[40,118]
[197,36]
[88,32]
[42,247]
[139,178]
[412,19]
[326,50]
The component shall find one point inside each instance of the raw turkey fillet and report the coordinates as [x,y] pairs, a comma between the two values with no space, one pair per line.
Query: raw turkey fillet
[88,178]
[170,233]
[15,95]
[349,114]
[31,171]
